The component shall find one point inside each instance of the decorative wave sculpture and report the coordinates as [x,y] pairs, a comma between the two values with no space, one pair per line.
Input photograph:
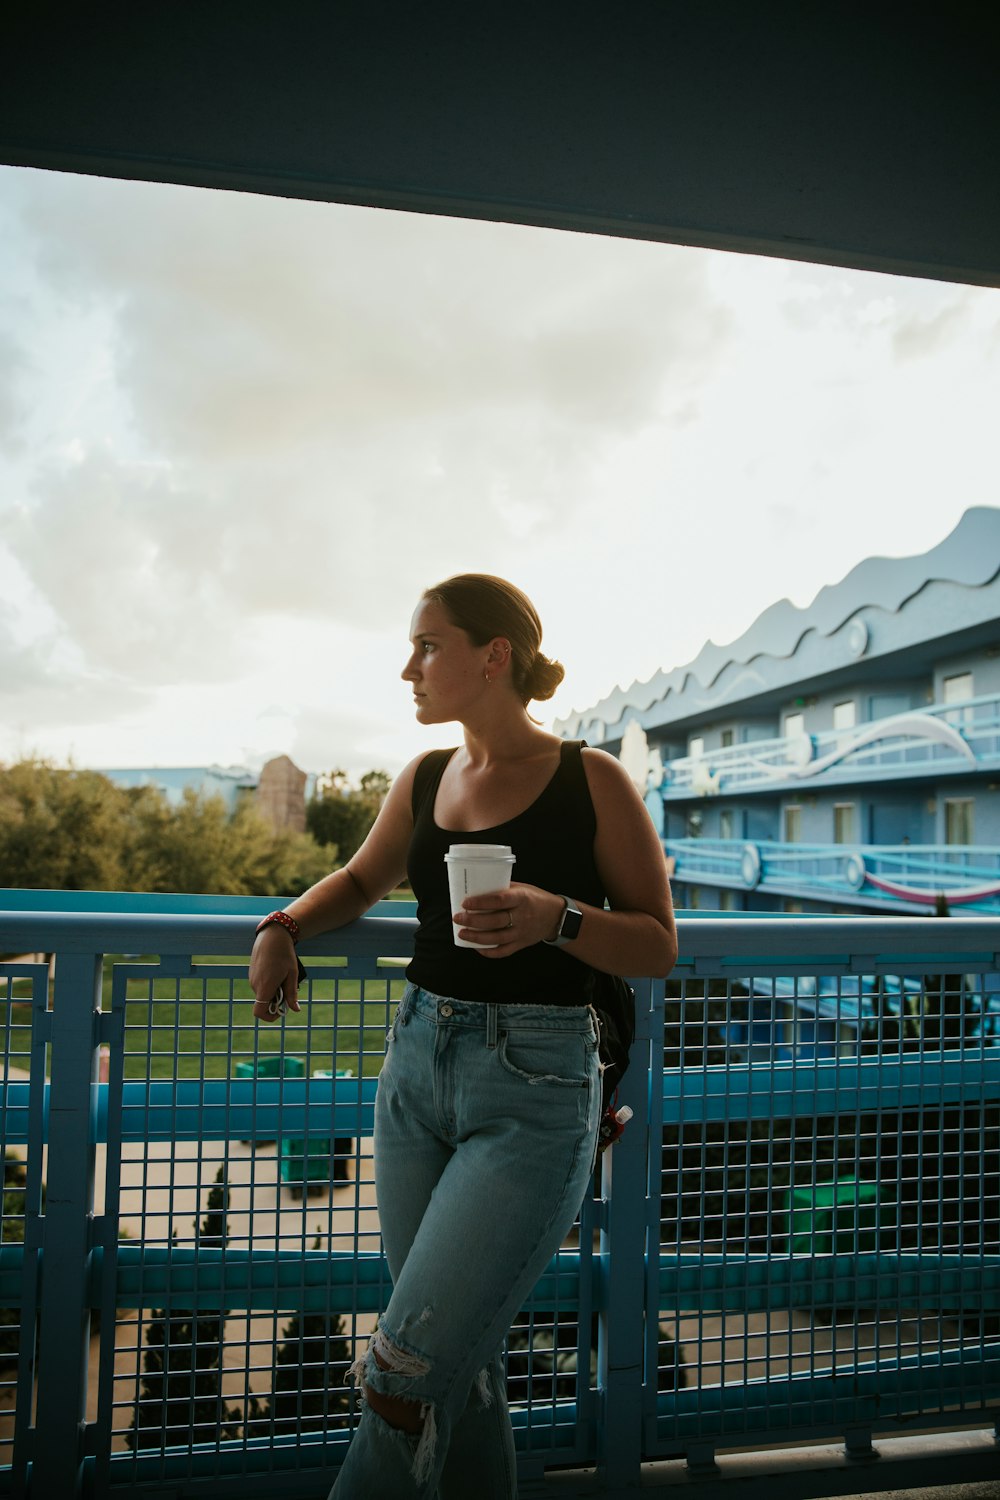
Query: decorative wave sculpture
[957,897]
[914,726]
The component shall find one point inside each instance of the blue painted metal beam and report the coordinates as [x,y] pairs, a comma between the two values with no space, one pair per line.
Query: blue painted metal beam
[217,1109]
[849,1086]
[833,1402]
[237,1279]
[271,1279]
[750,1283]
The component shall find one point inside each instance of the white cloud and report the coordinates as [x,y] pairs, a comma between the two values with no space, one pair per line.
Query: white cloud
[105,545]
[246,327]
[251,431]
[342,400]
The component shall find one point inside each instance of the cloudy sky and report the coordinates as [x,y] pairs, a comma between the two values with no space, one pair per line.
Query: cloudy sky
[239,435]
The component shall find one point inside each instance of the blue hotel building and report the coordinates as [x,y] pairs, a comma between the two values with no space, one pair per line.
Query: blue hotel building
[839,758]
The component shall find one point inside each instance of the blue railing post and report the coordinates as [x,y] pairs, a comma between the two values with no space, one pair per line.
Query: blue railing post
[622,1285]
[64,1315]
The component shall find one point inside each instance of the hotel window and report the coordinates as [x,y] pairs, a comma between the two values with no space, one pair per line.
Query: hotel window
[845,715]
[727,823]
[795,724]
[793,825]
[844,823]
[727,900]
[958,820]
[958,689]
[696,747]
[726,739]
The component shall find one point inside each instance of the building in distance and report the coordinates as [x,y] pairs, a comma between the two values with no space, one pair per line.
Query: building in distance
[841,757]
[279,790]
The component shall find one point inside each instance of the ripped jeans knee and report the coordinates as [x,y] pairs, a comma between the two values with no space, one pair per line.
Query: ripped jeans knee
[397,1370]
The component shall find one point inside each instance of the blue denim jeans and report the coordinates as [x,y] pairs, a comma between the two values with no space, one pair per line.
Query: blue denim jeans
[485,1141]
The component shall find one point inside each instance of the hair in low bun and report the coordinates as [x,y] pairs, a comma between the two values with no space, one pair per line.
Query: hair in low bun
[484,607]
[544,677]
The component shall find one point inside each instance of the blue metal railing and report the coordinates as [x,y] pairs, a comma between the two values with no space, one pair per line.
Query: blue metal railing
[893,877]
[817,1210]
[943,738]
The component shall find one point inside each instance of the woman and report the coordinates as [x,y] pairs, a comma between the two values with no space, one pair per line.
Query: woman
[489,1098]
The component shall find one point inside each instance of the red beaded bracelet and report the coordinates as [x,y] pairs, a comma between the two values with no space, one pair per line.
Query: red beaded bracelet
[283,920]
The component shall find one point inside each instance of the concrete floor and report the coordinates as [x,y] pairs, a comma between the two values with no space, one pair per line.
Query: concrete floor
[942,1465]
[985,1490]
[988,1489]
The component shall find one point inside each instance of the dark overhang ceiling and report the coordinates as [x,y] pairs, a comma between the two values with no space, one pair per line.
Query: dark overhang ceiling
[863,134]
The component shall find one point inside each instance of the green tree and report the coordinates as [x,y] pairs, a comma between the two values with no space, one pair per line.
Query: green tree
[199,846]
[310,1378]
[76,830]
[60,829]
[180,1399]
[309,1386]
[343,814]
[297,861]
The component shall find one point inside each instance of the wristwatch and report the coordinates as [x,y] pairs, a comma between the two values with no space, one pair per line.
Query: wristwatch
[569,926]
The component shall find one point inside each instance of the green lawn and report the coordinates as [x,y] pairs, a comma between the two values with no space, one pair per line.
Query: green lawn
[192,1028]
[202,1027]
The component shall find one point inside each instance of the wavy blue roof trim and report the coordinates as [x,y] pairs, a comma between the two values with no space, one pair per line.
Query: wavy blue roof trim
[969,555]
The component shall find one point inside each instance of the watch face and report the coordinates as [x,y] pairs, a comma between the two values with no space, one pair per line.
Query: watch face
[571,923]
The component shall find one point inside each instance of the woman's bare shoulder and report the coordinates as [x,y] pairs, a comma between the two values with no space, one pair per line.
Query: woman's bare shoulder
[604,770]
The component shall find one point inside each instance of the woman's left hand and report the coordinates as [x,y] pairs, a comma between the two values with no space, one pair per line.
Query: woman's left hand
[510,920]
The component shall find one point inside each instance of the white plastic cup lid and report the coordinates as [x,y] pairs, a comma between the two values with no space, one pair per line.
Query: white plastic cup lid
[480,851]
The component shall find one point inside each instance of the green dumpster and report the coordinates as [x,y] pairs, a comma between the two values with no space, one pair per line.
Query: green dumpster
[311,1161]
[277,1065]
[841,1217]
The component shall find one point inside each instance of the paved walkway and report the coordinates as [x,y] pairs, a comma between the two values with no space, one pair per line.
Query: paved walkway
[989,1489]
[922,1466]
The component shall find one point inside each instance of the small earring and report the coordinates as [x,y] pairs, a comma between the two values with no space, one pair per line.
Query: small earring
[489,679]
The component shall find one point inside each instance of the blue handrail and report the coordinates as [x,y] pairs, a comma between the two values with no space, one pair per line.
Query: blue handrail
[894,877]
[941,738]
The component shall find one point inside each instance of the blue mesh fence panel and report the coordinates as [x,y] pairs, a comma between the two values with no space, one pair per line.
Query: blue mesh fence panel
[799,1237]
[248,1273]
[23,1004]
[249,1269]
[829,1205]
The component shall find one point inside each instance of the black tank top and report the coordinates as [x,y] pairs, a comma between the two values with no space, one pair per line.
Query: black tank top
[553,842]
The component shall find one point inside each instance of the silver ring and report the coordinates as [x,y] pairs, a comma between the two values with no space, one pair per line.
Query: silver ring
[510,919]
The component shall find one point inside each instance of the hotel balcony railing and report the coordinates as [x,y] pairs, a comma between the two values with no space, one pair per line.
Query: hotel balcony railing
[796,1242]
[944,739]
[894,878]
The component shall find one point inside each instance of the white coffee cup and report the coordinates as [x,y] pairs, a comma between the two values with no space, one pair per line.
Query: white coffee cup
[476,870]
